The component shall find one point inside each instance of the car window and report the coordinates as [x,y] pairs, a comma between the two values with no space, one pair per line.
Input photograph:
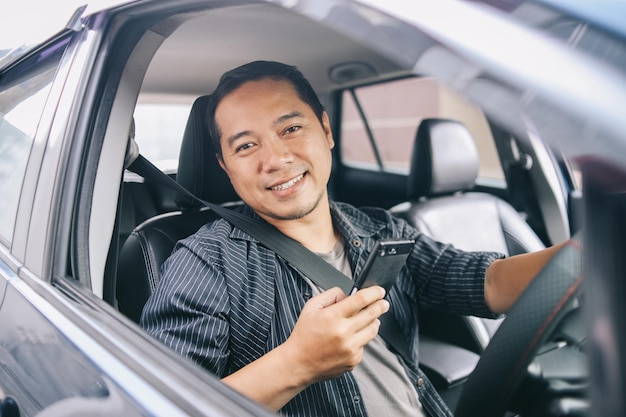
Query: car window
[393,110]
[23,92]
[159,129]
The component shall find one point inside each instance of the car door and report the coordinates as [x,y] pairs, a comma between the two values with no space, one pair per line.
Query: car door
[63,350]
[40,367]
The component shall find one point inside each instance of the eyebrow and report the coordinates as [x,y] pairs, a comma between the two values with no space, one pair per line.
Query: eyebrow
[236,136]
[281,119]
[288,116]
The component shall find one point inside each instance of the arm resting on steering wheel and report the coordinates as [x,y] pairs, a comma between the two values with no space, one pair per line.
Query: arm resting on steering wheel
[507,278]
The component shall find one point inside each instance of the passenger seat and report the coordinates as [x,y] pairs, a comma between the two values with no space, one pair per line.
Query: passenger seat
[442,205]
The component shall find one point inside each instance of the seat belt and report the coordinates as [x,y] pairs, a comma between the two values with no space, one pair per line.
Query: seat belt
[299,257]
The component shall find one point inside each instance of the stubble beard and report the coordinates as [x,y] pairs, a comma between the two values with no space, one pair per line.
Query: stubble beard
[298,212]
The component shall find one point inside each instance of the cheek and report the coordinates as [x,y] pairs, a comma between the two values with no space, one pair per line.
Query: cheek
[237,176]
[242,177]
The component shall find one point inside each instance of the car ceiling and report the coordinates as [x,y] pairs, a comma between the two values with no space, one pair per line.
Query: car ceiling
[190,61]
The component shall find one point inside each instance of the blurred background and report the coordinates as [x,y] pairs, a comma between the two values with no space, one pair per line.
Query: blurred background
[24,22]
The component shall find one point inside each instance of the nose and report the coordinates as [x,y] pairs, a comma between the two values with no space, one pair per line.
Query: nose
[276,154]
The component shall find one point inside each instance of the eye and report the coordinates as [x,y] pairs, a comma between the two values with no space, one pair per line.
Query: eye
[292,129]
[243,147]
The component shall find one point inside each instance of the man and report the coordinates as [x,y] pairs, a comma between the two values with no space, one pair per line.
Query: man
[242,312]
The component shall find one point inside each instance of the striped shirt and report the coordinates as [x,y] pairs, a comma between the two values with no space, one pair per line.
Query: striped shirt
[224,300]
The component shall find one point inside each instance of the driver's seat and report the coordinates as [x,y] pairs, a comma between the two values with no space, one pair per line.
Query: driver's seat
[152,242]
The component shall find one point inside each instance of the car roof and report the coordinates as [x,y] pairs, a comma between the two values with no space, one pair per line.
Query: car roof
[607,14]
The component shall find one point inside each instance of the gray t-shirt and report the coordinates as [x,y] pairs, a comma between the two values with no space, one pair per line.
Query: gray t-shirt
[382,380]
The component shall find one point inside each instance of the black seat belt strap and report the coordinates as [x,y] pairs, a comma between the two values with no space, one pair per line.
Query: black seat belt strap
[299,257]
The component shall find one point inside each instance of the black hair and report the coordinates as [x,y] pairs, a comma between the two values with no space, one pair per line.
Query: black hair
[254,71]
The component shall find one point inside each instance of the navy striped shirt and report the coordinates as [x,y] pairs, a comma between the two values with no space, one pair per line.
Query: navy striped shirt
[224,300]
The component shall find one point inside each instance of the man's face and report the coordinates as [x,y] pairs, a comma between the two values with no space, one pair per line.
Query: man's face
[275,151]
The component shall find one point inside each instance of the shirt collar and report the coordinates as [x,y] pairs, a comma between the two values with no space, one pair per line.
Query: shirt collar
[353,223]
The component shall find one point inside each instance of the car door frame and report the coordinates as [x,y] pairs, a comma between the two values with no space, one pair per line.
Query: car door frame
[146,375]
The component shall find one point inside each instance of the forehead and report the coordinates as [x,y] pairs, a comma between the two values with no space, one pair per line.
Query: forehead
[258,101]
[266,91]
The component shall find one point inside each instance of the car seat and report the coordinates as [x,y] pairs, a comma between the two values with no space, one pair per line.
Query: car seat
[442,205]
[151,243]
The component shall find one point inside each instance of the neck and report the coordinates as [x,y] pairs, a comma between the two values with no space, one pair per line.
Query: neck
[315,231]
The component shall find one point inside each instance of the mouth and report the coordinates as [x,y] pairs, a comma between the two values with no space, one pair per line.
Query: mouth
[287,184]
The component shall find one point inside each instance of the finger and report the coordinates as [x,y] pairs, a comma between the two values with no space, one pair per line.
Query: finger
[367,333]
[360,300]
[326,298]
[369,314]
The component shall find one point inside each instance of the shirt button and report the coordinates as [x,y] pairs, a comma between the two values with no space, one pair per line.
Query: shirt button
[357,399]
[420,382]
[356,243]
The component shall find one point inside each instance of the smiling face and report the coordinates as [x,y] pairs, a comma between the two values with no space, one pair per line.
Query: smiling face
[275,151]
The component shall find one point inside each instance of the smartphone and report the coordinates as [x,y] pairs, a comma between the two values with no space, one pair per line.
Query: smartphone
[384,263]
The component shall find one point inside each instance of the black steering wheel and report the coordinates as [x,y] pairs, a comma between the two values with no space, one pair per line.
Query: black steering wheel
[529,325]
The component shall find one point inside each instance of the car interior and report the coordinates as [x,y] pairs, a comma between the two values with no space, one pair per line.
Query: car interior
[441,204]
[152,241]
[418,154]
[488,125]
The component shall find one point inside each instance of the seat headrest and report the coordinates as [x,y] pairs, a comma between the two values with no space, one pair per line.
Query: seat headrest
[198,169]
[444,161]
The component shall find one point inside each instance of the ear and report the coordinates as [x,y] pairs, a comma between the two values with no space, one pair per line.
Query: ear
[220,161]
[327,130]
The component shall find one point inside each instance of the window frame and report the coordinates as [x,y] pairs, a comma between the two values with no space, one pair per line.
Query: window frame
[57,46]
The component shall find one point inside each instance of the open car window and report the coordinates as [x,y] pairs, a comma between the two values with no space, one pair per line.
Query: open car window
[159,128]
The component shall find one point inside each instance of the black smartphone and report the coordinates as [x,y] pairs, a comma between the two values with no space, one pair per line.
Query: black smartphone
[384,263]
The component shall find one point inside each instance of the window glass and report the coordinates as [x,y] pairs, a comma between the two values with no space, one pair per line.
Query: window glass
[159,129]
[23,92]
[393,112]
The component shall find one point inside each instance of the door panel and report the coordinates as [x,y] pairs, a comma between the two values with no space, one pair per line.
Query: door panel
[43,371]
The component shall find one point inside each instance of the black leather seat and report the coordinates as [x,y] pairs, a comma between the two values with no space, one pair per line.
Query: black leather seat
[442,205]
[150,243]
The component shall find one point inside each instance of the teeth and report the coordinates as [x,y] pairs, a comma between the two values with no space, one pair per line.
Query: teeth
[288,183]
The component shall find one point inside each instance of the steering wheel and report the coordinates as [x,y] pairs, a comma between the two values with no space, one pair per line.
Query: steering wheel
[503,365]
